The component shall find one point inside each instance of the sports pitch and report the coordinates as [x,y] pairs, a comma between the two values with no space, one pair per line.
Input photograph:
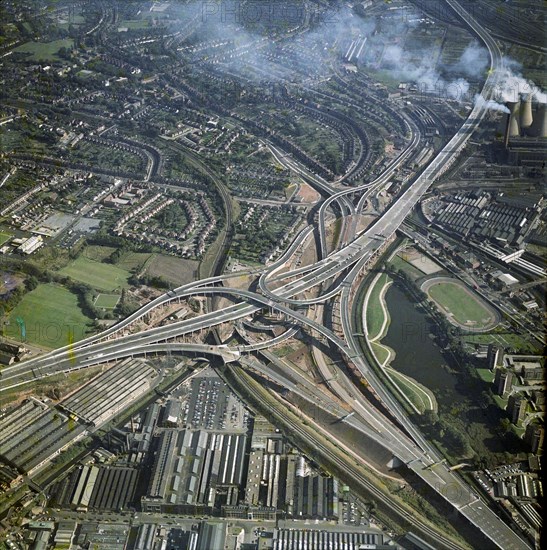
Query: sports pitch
[107,301]
[460,304]
[4,237]
[97,275]
[51,316]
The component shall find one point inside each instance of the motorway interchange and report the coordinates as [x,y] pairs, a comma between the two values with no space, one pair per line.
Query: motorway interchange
[333,275]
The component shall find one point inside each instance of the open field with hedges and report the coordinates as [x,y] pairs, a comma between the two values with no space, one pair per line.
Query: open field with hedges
[51,315]
[45,51]
[97,275]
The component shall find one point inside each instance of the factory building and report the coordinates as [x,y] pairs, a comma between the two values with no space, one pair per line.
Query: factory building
[196,468]
[211,535]
[10,353]
[316,496]
[33,433]
[200,456]
[64,534]
[163,465]
[532,371]
[242,511]
[139,443]
[31,244]
[480,216]
[40,534]
[9,477]
[98,487]
[84,487]
[171,413]
[296,539]
[110,392]
[532,515]
[285,481]
[500,489]
[146,537]
[525,487]
[114,488]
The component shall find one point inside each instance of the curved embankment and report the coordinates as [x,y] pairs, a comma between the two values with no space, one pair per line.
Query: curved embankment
[461,306]
[376,322]
[376,318]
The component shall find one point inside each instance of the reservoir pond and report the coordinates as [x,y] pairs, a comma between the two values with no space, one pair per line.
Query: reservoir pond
[410,335]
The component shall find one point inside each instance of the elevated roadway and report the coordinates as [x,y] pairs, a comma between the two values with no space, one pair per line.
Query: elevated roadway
[414,450]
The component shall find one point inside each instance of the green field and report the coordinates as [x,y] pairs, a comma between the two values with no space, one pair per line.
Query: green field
[129,260]
[107,301]
[486,374]
[133,260]
[508,340]
[177,271]
[97,252]
[416,394]
[413,272]
[75,20]
[44,51]
[464,307]
[4,237]
[134,24]
[51,315]
[380,352]
[375,313]
[97,275]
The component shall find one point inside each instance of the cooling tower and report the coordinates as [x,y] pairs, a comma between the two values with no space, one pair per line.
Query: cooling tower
[512,129]
[514,118]
[526,117]
[543,117]
[539,126]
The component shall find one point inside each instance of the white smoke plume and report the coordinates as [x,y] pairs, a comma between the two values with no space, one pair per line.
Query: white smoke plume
[457,89]
[473,62]
[490,104]
[512,86]
[424,73]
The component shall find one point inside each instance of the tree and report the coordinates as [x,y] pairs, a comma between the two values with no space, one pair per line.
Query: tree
[64,53]
[505,425]
[115,257]
[31,283]
[430,417]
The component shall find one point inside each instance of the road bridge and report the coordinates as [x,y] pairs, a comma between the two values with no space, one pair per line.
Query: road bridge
[352,257]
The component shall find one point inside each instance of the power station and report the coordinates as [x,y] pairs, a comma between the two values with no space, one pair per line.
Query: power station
[525,130]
